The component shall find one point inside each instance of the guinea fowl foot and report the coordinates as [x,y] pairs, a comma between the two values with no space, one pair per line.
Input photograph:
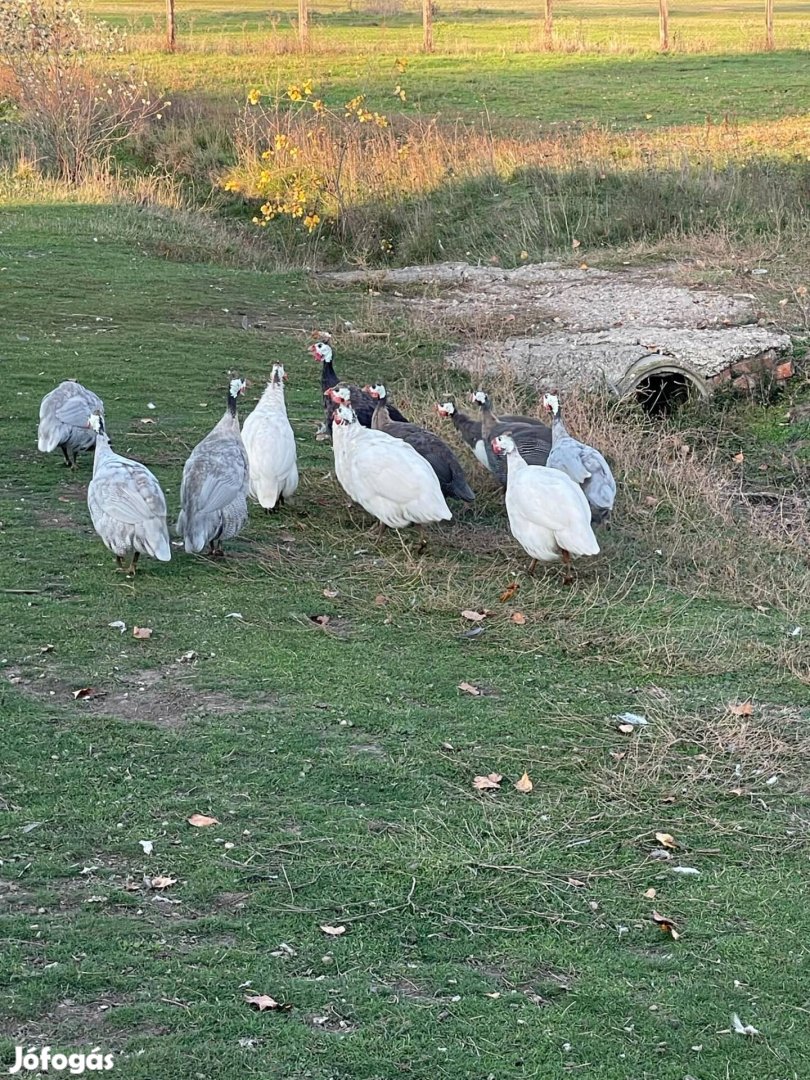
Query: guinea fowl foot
[568,576]
[423,540]
[531,568]
[133,566]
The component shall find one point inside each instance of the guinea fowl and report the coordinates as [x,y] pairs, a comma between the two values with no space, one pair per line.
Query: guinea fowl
[386,476]
[126,503]
[470,429]
[63,420]
[362,403]
[270,446]
[548,513]
[532,439]
[213,493]
[584,464]
[433,449]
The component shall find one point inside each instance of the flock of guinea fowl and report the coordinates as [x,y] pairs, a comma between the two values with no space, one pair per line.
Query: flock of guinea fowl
[557,488]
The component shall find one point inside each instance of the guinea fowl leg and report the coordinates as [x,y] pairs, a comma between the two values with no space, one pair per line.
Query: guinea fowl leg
[568,577]
[423,540]
[68,463]
[133,566]
[532,567]
[119,562]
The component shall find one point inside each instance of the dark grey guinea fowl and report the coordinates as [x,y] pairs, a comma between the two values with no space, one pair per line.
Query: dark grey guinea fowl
[533,440]
[433,449]
[362,403]
[470,429]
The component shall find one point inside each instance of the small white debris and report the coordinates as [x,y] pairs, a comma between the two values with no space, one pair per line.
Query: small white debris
[742,1029]
[685,870]
[631,718]
[234,615]
[147,845]
[151,405]
[796,631]
[119,624]
[772,780]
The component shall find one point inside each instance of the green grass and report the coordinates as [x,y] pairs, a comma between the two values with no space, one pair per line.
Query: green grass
[328,759]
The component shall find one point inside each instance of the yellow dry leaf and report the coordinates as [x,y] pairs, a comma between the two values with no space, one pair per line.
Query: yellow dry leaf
[162,882]
[666,839]
[738,459]
[650,894]
[666,925]
[518,618]
[200,821]
[509,591]
[524,784]
[333,931]
[468,688]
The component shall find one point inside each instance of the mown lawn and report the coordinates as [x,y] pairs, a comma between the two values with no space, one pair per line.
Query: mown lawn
[504,934]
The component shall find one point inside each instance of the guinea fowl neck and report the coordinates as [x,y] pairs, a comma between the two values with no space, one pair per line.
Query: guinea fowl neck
[232,403]
[328,375]
[488,418]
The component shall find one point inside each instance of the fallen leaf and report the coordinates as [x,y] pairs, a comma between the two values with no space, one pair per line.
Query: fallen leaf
[142,633]
[330,594]
[380,600]
[494,995]
[320,620]
[738,459]
[576,883]
[666,925]
[147,420]
[448,747]
[575,244]
[468,688]
[509,591]
[491,782]
[264,1003]
[474,616]
[625,729]
[518,617]
[188,657]
[85,692]
[524,784]
[742,1029]
[161,882]
[583,266]
[650,894]
[235,615]
[148,846]
[119,624]
[632,718]
[743,709]
[333,931]
[666,839]
[200,821]
[660,853]
[617,755]
[593,905]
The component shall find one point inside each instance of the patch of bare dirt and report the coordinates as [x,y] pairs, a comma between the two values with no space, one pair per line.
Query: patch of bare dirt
[71,1022]
[164,697]
[331,1021]
[402,989]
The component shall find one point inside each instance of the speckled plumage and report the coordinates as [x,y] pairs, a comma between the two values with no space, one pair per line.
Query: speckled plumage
[63,417]
[127,505]
[213,493]
[585,466]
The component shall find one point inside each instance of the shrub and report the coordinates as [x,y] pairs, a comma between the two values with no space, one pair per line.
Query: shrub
[74,105]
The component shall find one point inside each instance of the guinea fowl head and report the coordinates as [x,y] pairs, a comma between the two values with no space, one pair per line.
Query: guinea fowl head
[344,415]
[236,387]
[503,444]
[278,375]
[96,422]
[322,352]
[377,391]
[447,408]
[341,395]
[480,398]
[552,403]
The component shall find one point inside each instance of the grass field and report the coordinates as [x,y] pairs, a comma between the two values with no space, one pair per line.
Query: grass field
[502,935]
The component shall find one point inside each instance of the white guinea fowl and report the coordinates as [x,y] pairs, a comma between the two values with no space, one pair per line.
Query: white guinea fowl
[386,476]
[213,493]
[63,420]
[549,515]
[584,464]
[270,446]
[126,503]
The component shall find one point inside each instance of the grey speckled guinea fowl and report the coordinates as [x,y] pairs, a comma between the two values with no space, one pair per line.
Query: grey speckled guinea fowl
[63,420]
[213,493]
[584,464]
[126,503]
[533,440]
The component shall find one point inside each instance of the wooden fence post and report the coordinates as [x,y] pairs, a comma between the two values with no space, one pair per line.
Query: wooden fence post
[303,25]
[171,29]
[427,25]
[663,25]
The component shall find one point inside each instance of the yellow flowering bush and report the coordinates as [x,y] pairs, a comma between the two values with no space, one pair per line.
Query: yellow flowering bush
[308,162]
